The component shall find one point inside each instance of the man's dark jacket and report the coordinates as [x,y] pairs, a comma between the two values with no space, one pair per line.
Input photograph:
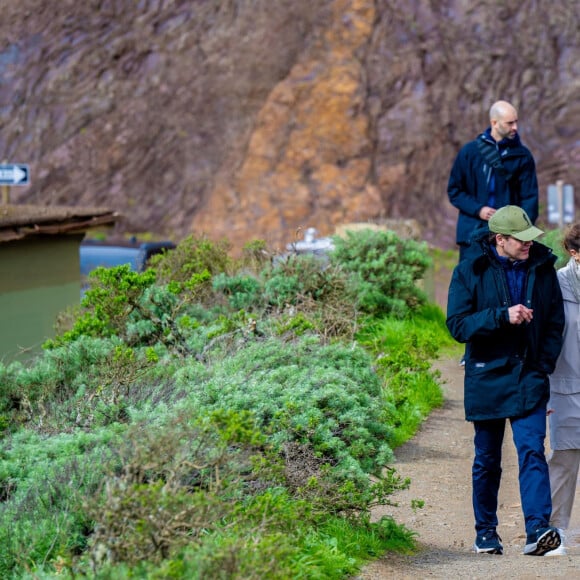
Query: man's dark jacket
[506,365]
[468,188]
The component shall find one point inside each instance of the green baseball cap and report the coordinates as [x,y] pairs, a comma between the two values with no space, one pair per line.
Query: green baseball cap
[512,220]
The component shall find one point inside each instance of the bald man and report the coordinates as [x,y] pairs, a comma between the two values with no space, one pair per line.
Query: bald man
[492,171]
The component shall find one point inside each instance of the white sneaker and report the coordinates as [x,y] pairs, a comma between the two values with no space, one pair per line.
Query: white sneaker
[561,549]
[542,541]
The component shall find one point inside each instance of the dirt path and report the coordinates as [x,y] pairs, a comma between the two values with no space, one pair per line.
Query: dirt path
[438,461]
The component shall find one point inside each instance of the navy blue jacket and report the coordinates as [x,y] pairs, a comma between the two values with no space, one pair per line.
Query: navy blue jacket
[468,188]
[506,365]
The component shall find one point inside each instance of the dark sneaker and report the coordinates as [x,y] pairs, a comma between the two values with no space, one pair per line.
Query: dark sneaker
[488,543]
[542,541]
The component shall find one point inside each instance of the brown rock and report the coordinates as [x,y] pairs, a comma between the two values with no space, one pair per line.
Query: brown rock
[248,120]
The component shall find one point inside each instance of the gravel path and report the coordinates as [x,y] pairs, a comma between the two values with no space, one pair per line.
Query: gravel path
[438,461]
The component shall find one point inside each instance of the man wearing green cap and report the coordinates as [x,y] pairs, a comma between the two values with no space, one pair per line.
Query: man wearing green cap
[505,303]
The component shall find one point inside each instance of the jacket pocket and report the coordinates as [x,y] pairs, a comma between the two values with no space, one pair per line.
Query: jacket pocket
[497,366]
[492,389]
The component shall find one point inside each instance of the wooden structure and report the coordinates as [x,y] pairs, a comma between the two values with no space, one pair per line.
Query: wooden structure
[39,271]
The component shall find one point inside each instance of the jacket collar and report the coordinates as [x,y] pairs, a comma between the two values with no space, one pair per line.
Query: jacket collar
[504,143]
[506,262]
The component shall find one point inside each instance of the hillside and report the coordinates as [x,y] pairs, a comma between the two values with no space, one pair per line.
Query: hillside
[250,119]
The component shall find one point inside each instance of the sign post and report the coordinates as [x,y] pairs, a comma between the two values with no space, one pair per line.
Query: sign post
[13,174]
[560,203]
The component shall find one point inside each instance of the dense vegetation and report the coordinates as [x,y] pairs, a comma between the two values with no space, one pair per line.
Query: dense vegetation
[221,418]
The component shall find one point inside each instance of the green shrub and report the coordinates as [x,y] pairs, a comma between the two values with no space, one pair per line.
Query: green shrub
[50,380]
[384,270]
[295,326]
[42,520]
[130,305]
[83,383]
[321,294]
[113,296]
[327,397]
[193,255]
[273,531]
[255,256]
[200,420]
[289,279]
[171,487]
[243,291]
[554,240]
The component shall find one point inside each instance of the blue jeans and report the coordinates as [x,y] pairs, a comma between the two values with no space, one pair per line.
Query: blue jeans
[529,433]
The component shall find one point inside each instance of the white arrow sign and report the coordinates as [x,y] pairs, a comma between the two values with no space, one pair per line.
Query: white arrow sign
[14,175]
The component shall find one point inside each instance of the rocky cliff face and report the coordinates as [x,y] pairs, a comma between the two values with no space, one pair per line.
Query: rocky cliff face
[251,119]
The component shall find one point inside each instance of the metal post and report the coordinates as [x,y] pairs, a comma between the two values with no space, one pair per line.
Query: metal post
[5,192]
[560,189]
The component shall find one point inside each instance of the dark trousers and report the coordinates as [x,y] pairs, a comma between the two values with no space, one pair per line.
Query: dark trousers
[529,433]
